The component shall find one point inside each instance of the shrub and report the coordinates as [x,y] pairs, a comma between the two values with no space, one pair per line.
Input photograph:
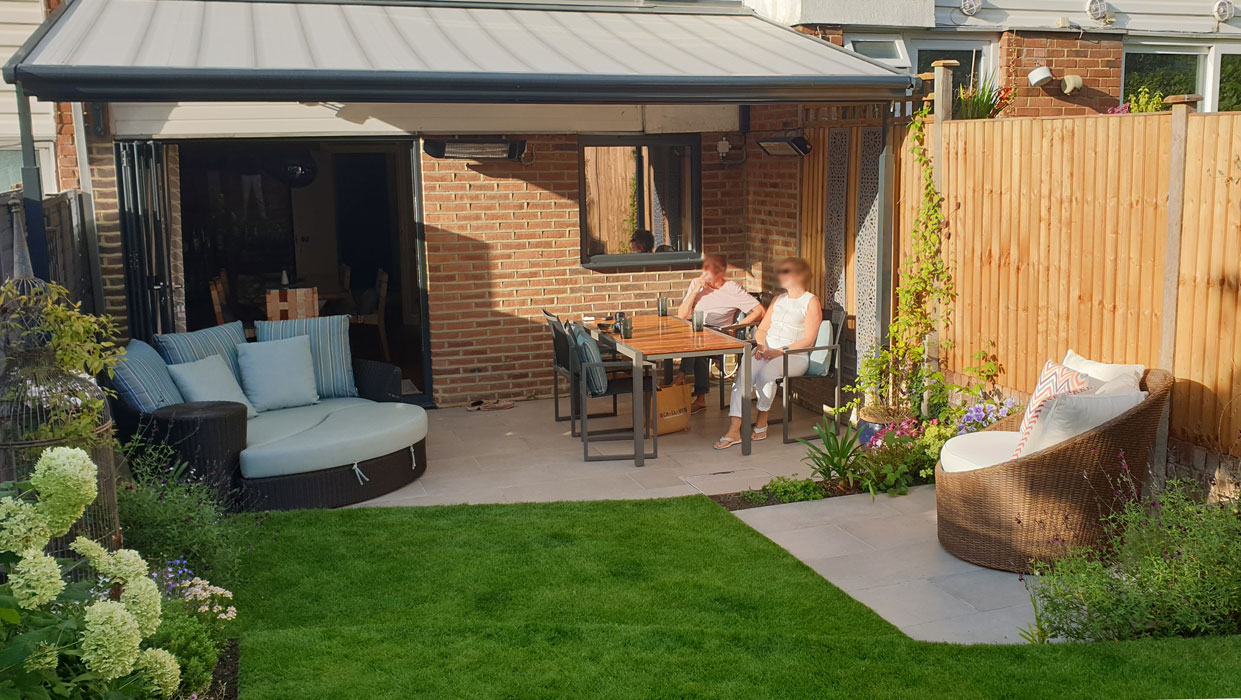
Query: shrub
[190,641]
[788,490]
[889,468]
[1173,570]
[170,516]
[834,460]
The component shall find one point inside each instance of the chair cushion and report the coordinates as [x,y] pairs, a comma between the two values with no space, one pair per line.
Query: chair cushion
[1101,373]
[278,373]
[596,378]
[142,379]
[1055,380]
[180,348]
[209,379]
[819,358]
[1068,415]
[329,347]
[270,426]
[341,437]
[972,451]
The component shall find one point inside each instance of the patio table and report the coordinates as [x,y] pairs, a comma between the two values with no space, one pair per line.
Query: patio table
[658,338]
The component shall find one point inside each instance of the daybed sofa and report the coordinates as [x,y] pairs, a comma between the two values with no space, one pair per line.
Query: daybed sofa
[357,442]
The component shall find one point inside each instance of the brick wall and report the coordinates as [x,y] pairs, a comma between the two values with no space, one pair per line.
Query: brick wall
[102,158]
[66,148]
[833,33]
[1097,58]
[772,196]
[503,243]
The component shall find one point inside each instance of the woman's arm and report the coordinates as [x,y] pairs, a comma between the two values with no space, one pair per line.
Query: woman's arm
[760,336]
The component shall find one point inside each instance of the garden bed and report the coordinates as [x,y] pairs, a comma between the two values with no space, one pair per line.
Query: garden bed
[743,500]
[224,680]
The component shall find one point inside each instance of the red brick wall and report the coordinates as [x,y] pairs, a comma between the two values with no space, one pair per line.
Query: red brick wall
[772,196]
[102,158]
[827,32]
[503,243]
[1096,58]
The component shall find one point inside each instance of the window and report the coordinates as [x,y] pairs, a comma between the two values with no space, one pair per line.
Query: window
[1160,71]
[977,59]
[1230,82]
[11,166]
[640,199]
[889,49]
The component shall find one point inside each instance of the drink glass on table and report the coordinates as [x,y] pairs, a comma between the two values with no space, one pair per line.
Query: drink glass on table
[662,303]
[699,319]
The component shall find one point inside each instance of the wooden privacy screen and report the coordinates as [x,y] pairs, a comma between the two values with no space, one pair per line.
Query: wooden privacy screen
[1058,229]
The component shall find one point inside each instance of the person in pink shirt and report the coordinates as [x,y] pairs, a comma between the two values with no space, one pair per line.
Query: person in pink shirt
[720,300]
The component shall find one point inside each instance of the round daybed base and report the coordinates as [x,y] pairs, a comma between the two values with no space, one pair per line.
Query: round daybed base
[338,486]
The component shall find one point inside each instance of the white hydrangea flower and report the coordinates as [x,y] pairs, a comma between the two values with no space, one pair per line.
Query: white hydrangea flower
[162,668]
[22,526]
[36,579]
[122,566]
[43,658]
[65,478]
[141,598]
[110,640]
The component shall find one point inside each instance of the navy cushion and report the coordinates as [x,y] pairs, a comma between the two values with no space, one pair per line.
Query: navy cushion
[596,377]
[180,348]
[329,348]
[142,379]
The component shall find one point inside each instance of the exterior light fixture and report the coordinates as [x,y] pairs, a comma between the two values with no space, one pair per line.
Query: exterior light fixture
[794,146]
[475,150]
[1039,76]
[1071,84]
[722,147]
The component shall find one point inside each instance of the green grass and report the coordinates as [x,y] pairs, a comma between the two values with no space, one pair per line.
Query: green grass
[652,599]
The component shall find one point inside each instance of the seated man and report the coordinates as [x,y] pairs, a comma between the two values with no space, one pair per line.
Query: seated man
[720,300]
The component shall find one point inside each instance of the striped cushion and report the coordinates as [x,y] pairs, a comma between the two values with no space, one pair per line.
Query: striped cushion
[179,348]
[1056,380]
[596,377]
[142,379]
[329,348]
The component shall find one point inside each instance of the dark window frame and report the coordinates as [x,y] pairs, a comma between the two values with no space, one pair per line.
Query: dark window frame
[690,257]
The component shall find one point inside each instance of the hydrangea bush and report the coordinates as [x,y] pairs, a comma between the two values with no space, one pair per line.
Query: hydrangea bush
[80,639]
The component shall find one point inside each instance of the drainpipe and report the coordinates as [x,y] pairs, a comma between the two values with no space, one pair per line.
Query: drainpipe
[32,188]
[87,187]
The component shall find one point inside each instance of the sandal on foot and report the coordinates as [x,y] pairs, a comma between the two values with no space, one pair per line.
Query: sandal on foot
[760,433]
[724,443]
[695,410]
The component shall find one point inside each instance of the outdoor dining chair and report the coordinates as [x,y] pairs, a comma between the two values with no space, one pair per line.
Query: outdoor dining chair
[377,318]
[595,379]
[562,366]
[824,367]
[290,304]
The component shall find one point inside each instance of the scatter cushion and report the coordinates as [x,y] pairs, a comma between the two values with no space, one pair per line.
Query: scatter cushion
[819,358]
[142,379]
[278,374]
[972,451]
[1068,415]
[1101,373]
[209,379]
[596,377]
[340,438]
[329,348]
[180,348]
[1055,380]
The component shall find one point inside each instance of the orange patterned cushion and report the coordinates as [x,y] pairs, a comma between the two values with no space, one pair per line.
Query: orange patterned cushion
[1055,380]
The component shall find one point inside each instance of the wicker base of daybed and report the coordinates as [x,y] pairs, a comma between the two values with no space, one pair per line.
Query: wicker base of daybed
[339,486]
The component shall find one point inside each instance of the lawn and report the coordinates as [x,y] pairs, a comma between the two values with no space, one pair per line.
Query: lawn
[649,599]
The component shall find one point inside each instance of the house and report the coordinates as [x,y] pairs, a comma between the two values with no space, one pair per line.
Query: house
[491,159]
[1115,48]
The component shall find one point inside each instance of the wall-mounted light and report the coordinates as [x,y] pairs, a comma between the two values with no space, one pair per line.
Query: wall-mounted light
[794,146]
[475,150]
[1039,76]
[1070,84]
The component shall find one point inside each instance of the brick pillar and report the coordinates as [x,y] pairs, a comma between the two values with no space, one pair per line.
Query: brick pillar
[102,159]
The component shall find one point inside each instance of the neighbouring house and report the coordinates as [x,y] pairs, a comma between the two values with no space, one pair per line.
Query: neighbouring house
[486,161]
[1115,48]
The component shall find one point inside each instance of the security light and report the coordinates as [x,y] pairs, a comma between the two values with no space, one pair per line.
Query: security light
[795,146]
[475,150]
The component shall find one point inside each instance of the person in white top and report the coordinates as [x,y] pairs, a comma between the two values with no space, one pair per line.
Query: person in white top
[721,301]
[791,322]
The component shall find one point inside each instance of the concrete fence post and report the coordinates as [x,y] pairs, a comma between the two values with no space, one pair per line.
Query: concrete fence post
[942,112]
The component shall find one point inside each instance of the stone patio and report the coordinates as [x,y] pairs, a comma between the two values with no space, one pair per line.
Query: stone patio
[883,553]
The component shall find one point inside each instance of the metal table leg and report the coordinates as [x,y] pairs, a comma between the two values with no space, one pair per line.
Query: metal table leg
[639,420]
[747,387]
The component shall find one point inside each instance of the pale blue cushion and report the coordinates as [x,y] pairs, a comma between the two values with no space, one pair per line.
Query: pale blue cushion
[819,365]
[277,373]
[342,438]
[142,379]
[180,348]
[209,379]
[596,377]
[329,346]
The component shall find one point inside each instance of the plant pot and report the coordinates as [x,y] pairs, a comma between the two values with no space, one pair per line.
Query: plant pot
[884,415]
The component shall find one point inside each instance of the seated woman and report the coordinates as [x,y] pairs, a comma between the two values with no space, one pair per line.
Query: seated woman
[791,322]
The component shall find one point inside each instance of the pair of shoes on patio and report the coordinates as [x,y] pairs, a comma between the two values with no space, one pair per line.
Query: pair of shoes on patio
[726,442]
[492,405]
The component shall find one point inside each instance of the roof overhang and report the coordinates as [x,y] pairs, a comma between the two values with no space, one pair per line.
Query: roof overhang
[367,51]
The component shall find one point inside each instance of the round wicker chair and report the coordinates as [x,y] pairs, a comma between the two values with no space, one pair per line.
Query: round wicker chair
[1036,507]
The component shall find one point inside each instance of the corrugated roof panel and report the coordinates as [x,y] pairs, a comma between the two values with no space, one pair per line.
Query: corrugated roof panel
[230,49]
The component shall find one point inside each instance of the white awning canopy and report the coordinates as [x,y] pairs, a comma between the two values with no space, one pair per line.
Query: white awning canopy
[375,51]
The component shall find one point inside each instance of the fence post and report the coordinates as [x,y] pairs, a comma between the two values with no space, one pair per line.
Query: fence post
[1182,105]
[943,112]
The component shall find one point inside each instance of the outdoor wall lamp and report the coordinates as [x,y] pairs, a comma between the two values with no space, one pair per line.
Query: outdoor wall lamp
[1040,76]
[475,150]
[795,146]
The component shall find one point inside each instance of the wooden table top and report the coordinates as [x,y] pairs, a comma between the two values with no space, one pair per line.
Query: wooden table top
[669,335]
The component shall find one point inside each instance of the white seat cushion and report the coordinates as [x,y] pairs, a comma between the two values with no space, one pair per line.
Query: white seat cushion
[971,451]
[341,438]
